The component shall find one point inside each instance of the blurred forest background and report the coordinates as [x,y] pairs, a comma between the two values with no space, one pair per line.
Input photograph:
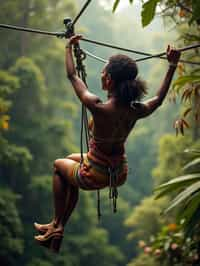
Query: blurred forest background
[40,121]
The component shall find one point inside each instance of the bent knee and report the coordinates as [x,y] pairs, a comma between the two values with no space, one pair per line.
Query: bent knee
[57,163]
[71,156]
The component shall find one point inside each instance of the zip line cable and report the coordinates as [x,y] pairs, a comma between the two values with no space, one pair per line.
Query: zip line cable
[18,28]
[106,61]
[57,34]
[63,34]
[80,13]
[193,46]
[114,46]
[149,56]
[95,57]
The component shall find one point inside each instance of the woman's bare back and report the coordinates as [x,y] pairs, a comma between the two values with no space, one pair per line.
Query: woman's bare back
[112,125]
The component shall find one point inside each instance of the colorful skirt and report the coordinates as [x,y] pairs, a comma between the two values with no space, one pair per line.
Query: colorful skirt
[94,173]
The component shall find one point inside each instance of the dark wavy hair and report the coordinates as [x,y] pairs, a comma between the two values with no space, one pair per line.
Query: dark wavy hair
[123,71]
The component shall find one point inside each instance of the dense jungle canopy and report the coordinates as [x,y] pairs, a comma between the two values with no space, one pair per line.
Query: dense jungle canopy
[40,121]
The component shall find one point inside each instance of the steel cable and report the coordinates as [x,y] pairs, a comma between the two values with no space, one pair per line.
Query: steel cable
[63,34]
[95,57]
[106,61]
[186,48]
[57,34]
[80,13]
[148,55]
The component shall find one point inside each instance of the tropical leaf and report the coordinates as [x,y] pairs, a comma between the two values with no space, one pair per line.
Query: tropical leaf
[181,180]
[115,5]
[195,8]
[194,188]
[191,225]
[182,81]
[169,189]
[192,151]
[191,37]
[187,94]
[194,163]
[187,111]
[196,70]
[189,209]
[148,11]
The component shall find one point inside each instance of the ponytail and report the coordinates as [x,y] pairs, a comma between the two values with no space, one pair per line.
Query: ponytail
[128,91]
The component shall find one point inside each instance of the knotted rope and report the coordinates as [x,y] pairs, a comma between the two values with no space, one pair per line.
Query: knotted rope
[80,56]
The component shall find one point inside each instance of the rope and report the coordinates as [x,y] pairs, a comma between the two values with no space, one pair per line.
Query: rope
[81,12]
[95,57]
[106,61]
[63,34]
[113,193]
[18,28]
[113,46]
[183,49]
[57,34]
[149,56]
[80,56]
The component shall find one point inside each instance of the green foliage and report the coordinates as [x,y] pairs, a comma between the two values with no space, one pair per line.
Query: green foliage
[183,80]
[176,183]
[145,220]
[11,245]
[114,222]
[148,11]
[41,14]
[8,84]
[32,87]
[116,3]
[30,101]
[39,262]
[141,163]
[195,9]
[143,260]
[15,166]
[188,187]
[171,157]
[169,247]
[93,246]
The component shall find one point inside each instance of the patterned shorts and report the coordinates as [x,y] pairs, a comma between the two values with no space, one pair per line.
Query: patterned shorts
[92,175]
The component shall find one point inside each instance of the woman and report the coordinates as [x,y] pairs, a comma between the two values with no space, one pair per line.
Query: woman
[112,122]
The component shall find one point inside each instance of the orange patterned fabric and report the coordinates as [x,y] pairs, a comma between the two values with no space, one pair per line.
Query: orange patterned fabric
[92,175]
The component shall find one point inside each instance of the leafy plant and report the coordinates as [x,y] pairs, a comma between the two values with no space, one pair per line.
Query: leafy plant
[169,247]
[188,197]
[184,14]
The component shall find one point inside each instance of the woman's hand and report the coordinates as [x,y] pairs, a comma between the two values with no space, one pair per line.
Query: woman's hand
[74,39]
[173,55]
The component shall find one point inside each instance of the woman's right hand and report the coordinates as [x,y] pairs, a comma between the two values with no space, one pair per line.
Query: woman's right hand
[74,39]
[173,55]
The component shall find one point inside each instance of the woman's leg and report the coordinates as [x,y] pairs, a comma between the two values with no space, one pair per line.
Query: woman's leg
[65,199]
[65,190]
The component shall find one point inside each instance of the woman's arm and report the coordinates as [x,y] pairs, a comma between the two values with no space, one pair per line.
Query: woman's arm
[152,104]
[89,99]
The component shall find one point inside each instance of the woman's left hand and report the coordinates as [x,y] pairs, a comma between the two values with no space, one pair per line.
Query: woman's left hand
[173,55]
